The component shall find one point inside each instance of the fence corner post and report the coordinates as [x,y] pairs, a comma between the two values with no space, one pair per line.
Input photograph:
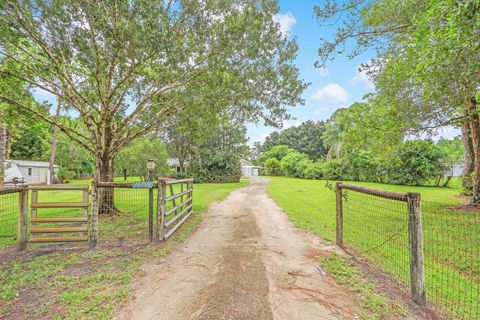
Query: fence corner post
[94,217]
[417,267]
[22,238]
[339,200]
[161,208]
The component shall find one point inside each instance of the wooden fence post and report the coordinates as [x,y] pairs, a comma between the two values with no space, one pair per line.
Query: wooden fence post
[162,194]
[22,239]
[94,217]
[338,191]
[417,268]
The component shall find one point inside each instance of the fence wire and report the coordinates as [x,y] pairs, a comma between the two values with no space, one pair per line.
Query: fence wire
[123,212]
[8,219]
[377,229]
[452,259]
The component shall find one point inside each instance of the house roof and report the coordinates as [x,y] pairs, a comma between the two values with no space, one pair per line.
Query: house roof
[29,163]
[245,163]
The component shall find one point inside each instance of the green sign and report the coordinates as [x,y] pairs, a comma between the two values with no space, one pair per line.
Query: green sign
[143,185]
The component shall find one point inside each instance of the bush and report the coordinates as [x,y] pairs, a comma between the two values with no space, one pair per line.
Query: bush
[223,175]
[277,152]
[334,170]
[315,170]
[294,164]
[416,162]
[271,167]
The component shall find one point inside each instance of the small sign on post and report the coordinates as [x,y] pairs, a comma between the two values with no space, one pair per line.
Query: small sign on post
[143,185]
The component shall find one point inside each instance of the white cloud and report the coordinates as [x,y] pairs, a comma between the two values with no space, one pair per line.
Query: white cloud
[361,78]
[331,95]
[286,22]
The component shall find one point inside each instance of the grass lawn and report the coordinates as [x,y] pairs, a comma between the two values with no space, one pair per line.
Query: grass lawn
[78,283]
[377,228]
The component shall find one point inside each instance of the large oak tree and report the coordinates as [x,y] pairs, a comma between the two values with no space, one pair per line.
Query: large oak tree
[124,67]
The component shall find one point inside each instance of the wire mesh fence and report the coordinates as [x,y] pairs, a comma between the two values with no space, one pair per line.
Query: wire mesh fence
[452,259]
[377,229]
[124,211]
[8,217]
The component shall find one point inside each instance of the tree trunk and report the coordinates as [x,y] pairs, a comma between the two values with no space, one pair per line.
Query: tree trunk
[447,181]
[124,174]
[104,173]
[469,156]
[51,166]
[475,132]
[3,152]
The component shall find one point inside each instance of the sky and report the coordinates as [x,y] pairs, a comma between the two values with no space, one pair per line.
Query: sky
[338,85]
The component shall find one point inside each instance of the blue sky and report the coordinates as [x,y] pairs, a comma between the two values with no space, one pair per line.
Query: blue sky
[339,85]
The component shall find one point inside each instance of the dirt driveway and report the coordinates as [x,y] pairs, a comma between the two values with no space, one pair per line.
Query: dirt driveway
[245,261]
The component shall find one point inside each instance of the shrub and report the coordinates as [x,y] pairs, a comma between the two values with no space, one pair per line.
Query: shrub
[272,167]
[315,170]
[416,162]
[294,164]
[277,152]
[334,170]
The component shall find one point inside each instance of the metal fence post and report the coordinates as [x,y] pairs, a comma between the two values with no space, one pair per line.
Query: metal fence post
[339,236]
[22,239]
[150,214]
[417,268]
[94,217]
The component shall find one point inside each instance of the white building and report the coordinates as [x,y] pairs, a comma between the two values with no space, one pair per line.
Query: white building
[26,171]
[249,169]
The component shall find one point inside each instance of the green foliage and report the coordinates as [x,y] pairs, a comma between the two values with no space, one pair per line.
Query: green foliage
[135,156]
[294,164]
[416,162]
[277,152]
[31,142]
[306,138]
[315,170]
[271,167]
[218,158]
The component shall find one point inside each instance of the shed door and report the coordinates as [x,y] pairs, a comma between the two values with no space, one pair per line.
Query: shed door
[255,172]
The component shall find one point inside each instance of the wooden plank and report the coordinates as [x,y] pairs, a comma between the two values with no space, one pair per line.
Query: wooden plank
[59,219]
[170,211]
[58,239]
[375,192]
[59,230]
[169,233]
[59,205]
[8,190]
[162,193]
[178,195]
[168,182]
[175,218]
[34,199]
[417,267]
[60,187]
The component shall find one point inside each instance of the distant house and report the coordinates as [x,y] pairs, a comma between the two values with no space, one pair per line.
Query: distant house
[26,171]
[174,164]
[249,169]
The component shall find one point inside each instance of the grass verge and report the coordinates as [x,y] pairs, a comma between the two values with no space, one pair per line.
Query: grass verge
[375,305]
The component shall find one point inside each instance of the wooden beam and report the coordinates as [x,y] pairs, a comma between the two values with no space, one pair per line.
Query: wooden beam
[59,205]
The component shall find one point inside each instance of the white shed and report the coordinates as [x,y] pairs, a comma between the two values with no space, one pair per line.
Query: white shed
[249,169]
[31,172]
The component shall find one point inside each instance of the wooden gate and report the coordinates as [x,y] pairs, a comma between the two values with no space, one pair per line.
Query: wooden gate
[47,224]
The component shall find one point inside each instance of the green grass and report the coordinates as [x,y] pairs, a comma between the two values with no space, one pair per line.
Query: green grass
[377,229]
[374,304]
[92,284]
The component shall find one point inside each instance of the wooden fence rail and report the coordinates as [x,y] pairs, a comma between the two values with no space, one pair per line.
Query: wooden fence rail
[415,239]
[175,208]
